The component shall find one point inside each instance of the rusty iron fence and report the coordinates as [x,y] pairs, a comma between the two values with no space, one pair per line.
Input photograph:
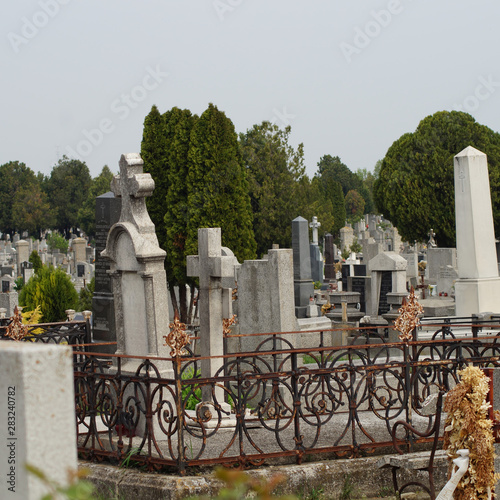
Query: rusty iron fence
[274,403]
[75,333]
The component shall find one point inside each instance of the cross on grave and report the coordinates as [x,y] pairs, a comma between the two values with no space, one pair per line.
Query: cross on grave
[461,176]
[210,266]
[314,225]
[132,185]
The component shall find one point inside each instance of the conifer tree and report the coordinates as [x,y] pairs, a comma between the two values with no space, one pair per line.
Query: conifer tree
[217,185]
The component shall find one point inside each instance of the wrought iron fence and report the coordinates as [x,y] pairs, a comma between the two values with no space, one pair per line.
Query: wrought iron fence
[69,332]
[275,403]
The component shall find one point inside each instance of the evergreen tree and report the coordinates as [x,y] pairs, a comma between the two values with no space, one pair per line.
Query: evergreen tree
[52,290]
[35,259]
[415,189]
[217,185]
[153,153]
[354,206]
[274,169]
[178,129]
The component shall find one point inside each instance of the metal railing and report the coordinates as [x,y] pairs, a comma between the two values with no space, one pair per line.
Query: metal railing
[276,403]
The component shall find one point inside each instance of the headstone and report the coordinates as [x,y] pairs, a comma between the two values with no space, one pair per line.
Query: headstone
[27,271]
[211,267]
[79,246]
[137,268]
[346,238]
[107,214]
[388,272]
[22,253]
[266,297]
[329,258]
[316,257]
[303,284]
[9,301]
[37,423]
[478,286]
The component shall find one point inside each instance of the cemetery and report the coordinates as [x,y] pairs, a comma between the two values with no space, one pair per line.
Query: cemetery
[341,360]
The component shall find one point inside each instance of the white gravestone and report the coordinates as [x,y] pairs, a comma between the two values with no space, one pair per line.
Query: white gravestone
[211,266]
[478,286]
[37,422]
[137,267]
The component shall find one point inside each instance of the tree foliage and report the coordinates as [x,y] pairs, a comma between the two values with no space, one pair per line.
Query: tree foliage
[68,189]
[217,185]
[274,170]
[31,210]
[415,189]
[52,290]
[86,213]
[35,259]
[15,179]
[164,149]
[354,206]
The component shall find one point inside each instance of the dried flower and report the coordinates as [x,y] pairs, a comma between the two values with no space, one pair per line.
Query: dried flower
[467,426]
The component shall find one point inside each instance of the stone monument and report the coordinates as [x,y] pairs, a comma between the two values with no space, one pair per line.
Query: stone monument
[137,268]
[211,267]
[478,286]
[107,213]
[303,284]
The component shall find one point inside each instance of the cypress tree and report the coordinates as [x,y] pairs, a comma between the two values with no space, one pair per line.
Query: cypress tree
[217,185]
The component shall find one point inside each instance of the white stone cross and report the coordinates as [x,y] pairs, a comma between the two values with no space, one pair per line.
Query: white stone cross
[132,185]
[314,225]
[210,266]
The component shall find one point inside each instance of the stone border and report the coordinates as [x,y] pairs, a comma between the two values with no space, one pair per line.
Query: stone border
[301,480]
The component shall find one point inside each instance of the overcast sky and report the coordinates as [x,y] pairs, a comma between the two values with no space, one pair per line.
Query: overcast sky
[349,76]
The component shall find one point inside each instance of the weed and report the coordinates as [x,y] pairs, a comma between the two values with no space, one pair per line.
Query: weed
[348,488]
[386,491]
[127,462]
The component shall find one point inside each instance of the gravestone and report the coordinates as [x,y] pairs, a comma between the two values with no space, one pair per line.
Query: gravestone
[27,271]
[107,214]
[22,253]
[346,238]
[78,246]
[211,267]
[478,286]
[329,258]
[316,257]
[137,269]
[37,422]
[388,272]
[303,284]
[266,297]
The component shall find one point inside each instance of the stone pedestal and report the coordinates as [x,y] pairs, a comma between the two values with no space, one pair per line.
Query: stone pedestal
[37,421]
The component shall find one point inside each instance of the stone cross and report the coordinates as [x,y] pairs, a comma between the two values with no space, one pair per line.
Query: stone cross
[314,225]
[132,185]
[210,266]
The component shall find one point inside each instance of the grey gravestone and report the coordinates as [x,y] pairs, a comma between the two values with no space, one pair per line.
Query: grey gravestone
[303,284]
[80,270]
[103,307]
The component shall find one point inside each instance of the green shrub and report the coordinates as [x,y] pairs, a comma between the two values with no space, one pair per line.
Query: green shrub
[53,291]
[55,240]
[85,296]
